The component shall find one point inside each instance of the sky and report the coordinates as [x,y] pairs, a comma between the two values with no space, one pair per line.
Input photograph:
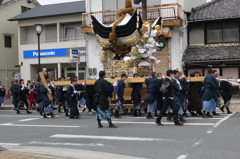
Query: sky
[46,2]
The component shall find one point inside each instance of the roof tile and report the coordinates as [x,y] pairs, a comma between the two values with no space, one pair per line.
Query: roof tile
[217,9]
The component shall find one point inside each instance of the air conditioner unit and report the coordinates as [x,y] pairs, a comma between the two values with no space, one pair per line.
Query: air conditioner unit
[29,1]
[90,70]
[94,71]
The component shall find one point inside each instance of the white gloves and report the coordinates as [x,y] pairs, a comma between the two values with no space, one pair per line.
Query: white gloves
[115,84]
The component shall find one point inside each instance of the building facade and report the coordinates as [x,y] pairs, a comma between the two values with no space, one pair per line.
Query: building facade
[214,39]
[61,34]
[174,28]
[9,37]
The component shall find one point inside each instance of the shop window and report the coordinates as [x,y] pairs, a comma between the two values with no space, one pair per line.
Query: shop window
[8,41]
[230,32]
[214,32]
[222,32]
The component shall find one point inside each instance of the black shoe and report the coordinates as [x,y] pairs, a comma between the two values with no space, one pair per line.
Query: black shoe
[112,126]
[135,113]
[185,114]
[72,117]
[45,116]
[178,123]
[159,123]
[66,115]
[156,115]
[222,109]
[18,112]
[228,111]
[116,114]
[53,115]
[183,120]
[193,114]
[28,112]
[208,115]
[150,117]
[216,114]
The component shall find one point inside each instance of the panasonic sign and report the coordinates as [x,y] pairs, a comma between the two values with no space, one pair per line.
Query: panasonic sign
[45,53]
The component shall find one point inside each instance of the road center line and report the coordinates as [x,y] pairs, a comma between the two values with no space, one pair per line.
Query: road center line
[66,144]
[110,138]
[30,119]
[197,143]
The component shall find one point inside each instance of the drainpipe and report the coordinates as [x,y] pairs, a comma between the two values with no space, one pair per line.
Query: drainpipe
[6,77]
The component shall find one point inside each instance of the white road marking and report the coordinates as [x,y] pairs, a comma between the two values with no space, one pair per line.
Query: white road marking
[10,144]
[209,132]
[224,119]
[110,138]
[7,124]
[66,144]
[200,118]
[53,126]
[197,143]
[182,156]
[30,119]
[20,116]
[219,123]
[164,123]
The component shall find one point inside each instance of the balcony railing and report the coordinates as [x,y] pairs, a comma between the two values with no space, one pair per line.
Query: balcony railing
[166,11]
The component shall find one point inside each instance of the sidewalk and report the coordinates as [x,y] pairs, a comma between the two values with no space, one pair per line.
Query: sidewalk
[19,152]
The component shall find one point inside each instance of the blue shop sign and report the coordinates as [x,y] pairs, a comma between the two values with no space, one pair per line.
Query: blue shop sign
[45,53]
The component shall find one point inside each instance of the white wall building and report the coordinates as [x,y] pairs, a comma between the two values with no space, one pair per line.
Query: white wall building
[174,26]
[9,37]
[62,32]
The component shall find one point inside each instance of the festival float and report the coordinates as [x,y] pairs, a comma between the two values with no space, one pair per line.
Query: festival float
[128,45]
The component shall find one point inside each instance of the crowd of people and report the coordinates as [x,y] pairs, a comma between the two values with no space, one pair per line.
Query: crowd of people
[166,96]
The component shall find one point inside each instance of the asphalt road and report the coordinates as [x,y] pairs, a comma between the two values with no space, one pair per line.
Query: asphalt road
[138,137]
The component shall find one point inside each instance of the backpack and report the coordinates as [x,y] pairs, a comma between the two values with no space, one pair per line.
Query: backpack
[165,86]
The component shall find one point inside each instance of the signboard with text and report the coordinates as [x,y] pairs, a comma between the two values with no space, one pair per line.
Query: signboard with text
[45,53]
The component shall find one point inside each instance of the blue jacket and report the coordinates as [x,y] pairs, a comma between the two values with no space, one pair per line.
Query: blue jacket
[210,85]
[45,100]
[119,90]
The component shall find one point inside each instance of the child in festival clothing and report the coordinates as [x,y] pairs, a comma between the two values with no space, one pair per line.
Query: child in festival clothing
[30,97]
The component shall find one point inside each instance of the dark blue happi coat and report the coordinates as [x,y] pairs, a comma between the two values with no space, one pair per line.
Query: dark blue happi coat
[210,85]
[153,86]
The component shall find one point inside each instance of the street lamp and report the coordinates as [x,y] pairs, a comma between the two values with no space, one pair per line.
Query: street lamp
[39,29]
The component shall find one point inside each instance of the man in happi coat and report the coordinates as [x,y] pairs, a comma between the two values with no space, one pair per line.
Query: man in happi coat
[72,98]
[168,100]
[136,96]
[226,88]
[14,93]
[22,97]
[118,95]
[153,86]
[195,103]
[103,89]
[46,103]
[210,94]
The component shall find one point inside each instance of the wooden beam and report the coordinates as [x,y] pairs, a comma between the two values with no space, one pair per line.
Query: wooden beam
[128,81]
[44,82]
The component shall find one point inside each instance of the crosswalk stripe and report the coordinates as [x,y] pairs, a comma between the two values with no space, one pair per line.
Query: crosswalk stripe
[164,123]
[51,126]
[110,138]
[30,119]
[66,144]
[10,144]
[195,118]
